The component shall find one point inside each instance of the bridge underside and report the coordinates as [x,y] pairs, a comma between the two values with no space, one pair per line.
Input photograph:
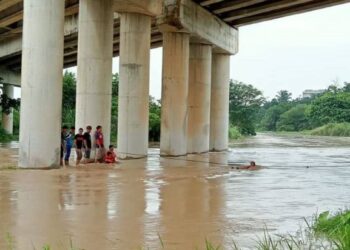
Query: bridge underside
[236,13]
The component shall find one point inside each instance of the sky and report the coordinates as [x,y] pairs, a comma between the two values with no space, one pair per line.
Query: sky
[304,51]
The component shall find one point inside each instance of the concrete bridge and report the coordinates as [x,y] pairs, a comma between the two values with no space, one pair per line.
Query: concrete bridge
[38,38]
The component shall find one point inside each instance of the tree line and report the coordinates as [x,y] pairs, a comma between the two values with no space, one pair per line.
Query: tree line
[249,110]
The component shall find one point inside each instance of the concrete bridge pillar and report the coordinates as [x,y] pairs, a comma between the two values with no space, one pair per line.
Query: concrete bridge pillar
[219,107]
[173,139]
[199,98]
[41,92]
[95,52]
[135,40]
[7,120]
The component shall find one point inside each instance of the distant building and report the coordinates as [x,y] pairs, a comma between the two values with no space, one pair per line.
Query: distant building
[308,93]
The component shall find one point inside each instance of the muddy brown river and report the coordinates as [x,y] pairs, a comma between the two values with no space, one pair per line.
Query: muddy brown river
[177,202]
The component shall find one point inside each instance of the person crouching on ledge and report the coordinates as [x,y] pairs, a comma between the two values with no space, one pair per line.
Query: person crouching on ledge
[111,157]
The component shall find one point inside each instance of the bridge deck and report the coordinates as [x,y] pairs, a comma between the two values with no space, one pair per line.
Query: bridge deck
[234,12]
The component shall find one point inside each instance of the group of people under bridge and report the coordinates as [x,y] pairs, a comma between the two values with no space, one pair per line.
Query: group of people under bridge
[82,142]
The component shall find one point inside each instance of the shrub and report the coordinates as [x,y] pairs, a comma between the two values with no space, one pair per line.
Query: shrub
[4,136]
[333,129]
[233,133]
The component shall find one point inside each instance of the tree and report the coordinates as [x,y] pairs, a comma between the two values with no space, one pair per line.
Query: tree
[154,119]
[346,87]
[7,103]
[114,115]
[295,119]
[272,116]
[68,100]
[283,96]
[245,102]
[330,107]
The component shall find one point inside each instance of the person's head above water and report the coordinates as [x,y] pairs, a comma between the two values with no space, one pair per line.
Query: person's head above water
[252,163]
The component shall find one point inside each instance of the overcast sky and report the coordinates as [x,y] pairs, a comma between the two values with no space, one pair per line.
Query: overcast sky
[305,51]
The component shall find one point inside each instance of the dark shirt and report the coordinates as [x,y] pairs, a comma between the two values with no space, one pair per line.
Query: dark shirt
[63,137]
[79,139]
[99,139]
[87,138]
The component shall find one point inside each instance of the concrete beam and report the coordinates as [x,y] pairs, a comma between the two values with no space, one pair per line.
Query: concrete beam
[4,4]
[18,16]
[189,17]
[10,47]
[14,45]
[298,9]
[255,10]
[9,76]
[224,6]
[145,7]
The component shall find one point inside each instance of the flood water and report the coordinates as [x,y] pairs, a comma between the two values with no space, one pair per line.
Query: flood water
[183,201]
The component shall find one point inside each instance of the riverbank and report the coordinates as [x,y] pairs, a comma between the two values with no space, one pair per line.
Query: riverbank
[331,129]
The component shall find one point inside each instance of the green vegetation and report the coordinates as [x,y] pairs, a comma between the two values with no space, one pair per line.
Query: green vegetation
[233,133]
[245,102]
[332,129]
[68,98]
[324,114]
[4,136]
[6,104]
[335,228]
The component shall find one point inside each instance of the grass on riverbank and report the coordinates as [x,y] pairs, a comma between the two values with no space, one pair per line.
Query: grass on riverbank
[233,133]
[332,129]
[4,136]
[335,228]
[325,232]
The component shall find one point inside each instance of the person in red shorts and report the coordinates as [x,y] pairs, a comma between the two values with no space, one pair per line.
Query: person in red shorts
[99,144]
[111,157]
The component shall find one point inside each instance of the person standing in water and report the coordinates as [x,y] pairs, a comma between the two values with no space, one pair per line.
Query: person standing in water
[99,144]
[87,142]
[63,143]
[78,142]
[69,145]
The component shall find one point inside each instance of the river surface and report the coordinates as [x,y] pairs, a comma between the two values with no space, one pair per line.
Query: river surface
[178,202]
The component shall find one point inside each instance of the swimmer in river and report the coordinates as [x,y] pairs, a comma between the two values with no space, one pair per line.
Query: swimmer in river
[252,166]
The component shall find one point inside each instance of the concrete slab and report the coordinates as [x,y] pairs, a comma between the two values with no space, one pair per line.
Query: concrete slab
[187,16]
[145,7]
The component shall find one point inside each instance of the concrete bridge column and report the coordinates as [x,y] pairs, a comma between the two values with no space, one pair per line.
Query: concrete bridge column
[135,40]
[41,92]
[7,120]
[219,107]
[173,139]
[95,52]
[199,98]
